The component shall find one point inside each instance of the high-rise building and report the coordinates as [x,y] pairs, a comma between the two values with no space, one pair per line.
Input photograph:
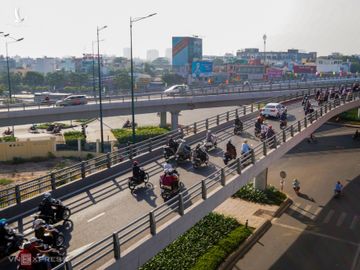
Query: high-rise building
[185,50]
[152,54]
[126,53]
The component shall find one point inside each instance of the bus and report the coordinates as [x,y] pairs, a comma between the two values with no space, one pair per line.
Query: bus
[49,98]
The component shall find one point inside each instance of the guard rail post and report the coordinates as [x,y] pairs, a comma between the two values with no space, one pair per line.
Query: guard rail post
[264,148]
[305,121]
[207,123]
[131,154]
[195,129]
[227,116]
[244,110]
[275,141]
[292,130]
[316,115]
[252,156]
[53,181]
[217,120]
[321,111]
[311,117]
[299,126]
[203,190]
[238,165]
[181,204]
[252,107]
[284,135]
[222,175]
[68,265]
[116,246]
[150,145]
[258,106]
[237,112]
[82,168]
[152,222]
[17,194]
[108,160]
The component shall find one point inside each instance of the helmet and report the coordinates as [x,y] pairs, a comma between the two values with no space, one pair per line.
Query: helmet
[26,245]
[135,163]
[229,141]
[270,126]
[198,145]
[37,223]
[33,240]
[47,195]
[259,118]
[3,222]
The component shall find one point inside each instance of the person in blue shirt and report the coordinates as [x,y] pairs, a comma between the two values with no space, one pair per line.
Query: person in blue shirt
[245,148]
[338,187]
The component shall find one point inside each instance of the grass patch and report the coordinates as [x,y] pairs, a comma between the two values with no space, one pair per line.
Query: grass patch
[268,196]
[8,139]
[71,138]
[351,115]
[5,181]
[215,233]
[46,125]
[124,135]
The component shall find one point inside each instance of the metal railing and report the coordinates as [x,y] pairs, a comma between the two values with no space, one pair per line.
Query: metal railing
[147,224]
[200,92]
[18,193]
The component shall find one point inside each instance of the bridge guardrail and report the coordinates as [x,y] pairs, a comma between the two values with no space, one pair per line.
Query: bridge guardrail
[147,224]
[18,193]
[199,92]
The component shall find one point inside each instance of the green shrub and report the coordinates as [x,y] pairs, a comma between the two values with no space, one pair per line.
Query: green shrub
[351,115]
[46,125]
[89,156]
[218,253]
[18,160]
[124,135]
[269,196]
[8,139]
[5,181]
[184,252]
[71,138]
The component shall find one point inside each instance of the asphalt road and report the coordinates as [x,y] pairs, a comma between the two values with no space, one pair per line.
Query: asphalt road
[317,231]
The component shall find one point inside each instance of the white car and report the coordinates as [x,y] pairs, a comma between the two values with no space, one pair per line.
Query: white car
[178,89]
[273,110]
[72,100]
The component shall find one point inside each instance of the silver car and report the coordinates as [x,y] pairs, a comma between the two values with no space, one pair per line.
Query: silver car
[72,100]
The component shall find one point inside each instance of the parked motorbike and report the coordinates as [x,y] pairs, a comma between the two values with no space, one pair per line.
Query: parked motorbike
[133,182]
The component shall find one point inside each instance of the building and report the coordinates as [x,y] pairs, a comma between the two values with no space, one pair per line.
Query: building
[67,64]
[151,55]
[127,53]
[331,65]
[185,50]
[3,64]
[278,58]
[44,65]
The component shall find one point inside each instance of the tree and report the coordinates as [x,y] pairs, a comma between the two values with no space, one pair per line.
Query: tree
[33,78]
[78,79]
[171,79]
[149,69]
[122,80]
[56,79]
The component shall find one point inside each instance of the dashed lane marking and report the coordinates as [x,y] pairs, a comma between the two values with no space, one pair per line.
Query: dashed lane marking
[329,216]
[99,215]
[341,219]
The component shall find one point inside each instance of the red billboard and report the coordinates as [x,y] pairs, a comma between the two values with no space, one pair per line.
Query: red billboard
[305,69]
[274,73]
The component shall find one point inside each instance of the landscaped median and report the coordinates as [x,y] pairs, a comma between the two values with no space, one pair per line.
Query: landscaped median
[204,246]
[124,135]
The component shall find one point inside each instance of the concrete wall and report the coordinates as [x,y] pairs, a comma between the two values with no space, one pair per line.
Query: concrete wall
[149,246]
[26,149]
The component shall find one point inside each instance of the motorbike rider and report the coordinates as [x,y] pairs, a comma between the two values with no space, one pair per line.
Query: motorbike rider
[46,206]
[238,123]
[356,135]
[138,173]
[296,186]
[305,99]
[170,179]
[283,118]
[245,148]
[41,229]
[258,124]
[230,149]
[210,137]
[338,187]
[127,124]
[200,153]
[5,235]
[181,150]
[31,254]
[270,132]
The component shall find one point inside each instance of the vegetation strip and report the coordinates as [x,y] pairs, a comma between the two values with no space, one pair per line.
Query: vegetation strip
[204,245]
[124,135]
[268,196]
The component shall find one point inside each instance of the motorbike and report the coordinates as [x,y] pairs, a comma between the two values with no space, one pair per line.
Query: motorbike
[13,245]
[283,124]
[238,129]
[33,129]
[62,213]
[8,133]
[197,161]
[128,125]
[227,157]
[167,192]
[337,194]
[54,239]
[297,190]
[169,152]
[246,159]
[185,155]
[133,182]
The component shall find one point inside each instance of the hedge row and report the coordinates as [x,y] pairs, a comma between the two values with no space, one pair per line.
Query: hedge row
[124,135]
[212,232]
[268,196]
[46,125]
[8,139]
[71,138]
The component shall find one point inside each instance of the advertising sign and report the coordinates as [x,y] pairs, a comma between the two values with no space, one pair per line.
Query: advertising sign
[201,68]
[274,73]
[305,69]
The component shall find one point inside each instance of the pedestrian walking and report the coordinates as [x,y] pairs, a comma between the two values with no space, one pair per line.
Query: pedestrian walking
[282,183]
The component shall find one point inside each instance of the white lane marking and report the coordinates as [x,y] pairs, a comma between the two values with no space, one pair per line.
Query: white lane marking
[74,252]
[293,208]
[99,215]
[316,213]
[341,219]
[354,222]
[353,266]
[329,216]
[306,210]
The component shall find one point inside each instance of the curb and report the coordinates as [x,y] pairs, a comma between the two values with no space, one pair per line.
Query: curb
[283,207]
[232,259]
[342,125]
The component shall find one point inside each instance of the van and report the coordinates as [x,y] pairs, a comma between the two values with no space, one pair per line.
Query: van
[72,100]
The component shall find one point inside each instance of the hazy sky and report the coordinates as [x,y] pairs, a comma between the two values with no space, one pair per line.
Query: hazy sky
[67,27]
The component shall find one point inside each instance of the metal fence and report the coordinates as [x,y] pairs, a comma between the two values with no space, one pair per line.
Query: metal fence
[203,91]
[147,224]
[15,194]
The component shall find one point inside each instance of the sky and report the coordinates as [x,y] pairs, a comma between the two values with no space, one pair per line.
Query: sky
[68,27]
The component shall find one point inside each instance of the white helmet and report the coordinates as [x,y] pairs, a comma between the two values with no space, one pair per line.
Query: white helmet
[37,223]
[47,195]
[33,240]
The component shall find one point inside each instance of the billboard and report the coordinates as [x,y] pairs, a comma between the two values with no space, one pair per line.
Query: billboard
[305,69]
[201,68]
[185,50]
[274,73]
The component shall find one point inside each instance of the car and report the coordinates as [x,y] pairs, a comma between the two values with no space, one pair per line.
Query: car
[178,89]
[72,100]
[273,110]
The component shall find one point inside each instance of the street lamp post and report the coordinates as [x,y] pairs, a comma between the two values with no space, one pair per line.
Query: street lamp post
[133,20]
[93,68]
[100,97]
[264,38]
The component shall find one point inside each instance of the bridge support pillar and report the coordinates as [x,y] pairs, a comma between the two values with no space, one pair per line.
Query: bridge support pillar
[163,119]
[260,181]
[174,120]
